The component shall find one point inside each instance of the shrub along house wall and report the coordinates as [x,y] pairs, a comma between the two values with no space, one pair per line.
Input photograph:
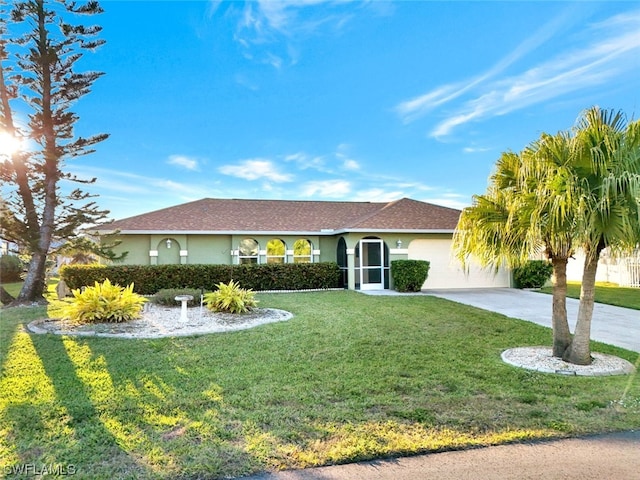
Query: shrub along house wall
[149,279]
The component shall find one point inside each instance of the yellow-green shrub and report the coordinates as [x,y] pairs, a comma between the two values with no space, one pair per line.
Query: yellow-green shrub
[230,298]
[103,302]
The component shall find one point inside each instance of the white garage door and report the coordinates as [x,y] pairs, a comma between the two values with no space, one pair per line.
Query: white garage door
[447,272]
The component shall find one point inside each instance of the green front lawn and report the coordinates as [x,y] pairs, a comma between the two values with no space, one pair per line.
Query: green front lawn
[608,293]
[350,377]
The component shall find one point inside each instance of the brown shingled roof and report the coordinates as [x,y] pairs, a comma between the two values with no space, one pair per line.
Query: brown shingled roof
[235,215]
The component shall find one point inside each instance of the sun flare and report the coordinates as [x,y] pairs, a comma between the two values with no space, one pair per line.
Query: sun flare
[9,144]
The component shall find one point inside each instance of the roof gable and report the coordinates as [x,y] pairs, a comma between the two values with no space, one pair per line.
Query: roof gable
[408,214]
[237,215]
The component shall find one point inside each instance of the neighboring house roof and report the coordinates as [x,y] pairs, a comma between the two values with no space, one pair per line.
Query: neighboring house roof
[211,215]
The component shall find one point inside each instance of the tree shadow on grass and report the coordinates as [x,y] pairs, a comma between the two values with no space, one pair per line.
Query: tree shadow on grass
[186,418]
[11,323]
[72,431]
[137,414]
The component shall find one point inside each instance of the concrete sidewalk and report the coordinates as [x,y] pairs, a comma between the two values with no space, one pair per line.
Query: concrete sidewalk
[600,457]
[613,325]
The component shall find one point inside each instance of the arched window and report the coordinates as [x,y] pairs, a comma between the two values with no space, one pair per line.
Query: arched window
[302,251]
[276,250]
[248,251]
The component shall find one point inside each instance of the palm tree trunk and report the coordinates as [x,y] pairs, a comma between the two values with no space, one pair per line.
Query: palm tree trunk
[561,332]
[580,350]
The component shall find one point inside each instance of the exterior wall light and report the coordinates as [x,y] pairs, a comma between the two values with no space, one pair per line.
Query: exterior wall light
[399,243]
[168,243]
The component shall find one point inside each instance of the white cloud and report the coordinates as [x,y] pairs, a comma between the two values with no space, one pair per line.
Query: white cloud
[283,15]
[128,194]
[350,164]
[451,201]
[326,188]
[131,183]
[244,81]
[254,169]
[183,161]
[270,30]
[342,154]
[416,107]
[377,195]
[304,161]
[609,49]
[420,187]
[475,149]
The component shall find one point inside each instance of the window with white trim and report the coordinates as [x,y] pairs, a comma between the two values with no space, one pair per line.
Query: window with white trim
[248,251]
[276,250]
[302,251]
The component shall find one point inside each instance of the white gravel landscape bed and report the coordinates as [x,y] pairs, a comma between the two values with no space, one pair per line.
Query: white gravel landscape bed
[158,321]
[542,360]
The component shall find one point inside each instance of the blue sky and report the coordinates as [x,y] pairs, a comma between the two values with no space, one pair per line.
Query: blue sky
[335,100]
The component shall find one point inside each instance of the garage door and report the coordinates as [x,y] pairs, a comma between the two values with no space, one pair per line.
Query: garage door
[446,272]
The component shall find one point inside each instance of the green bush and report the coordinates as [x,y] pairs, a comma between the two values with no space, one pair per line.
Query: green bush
[167,297]
[149,279]
[230,298]
[11,268]
[409,275]
[533,274]
[104,302]
[287,276]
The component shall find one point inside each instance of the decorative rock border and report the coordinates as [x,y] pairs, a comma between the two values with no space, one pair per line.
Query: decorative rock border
[541,359]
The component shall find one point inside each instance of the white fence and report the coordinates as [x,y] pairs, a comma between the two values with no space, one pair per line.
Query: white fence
[623,271]
[631,270]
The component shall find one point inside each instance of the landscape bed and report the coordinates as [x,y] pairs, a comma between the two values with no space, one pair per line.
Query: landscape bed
[350,377]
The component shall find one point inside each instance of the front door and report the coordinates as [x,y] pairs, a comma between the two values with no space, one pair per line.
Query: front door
[372,264]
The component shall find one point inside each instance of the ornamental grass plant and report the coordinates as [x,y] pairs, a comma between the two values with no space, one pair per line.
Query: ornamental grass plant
[104,302]
[231,298]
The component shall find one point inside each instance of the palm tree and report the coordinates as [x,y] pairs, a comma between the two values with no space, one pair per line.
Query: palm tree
[552,218]
[572,189]
[528,210]
[608,171]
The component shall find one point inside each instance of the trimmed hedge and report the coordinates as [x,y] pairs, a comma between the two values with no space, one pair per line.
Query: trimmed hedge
[150,279]
[533,274]
[409,275]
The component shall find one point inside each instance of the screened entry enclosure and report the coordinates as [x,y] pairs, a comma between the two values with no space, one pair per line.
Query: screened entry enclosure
[372,264]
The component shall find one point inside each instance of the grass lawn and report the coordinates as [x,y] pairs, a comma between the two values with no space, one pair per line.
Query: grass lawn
[13,288]
[606,293]
[350,377]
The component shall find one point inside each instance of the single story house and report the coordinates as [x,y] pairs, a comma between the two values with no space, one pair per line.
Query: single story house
[362,237]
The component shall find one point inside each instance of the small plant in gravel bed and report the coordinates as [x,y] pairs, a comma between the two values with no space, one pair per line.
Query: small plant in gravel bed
[167,297]
[230,297]
[104,302]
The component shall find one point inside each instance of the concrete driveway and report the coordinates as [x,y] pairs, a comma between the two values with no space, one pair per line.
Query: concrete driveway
[613,325]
